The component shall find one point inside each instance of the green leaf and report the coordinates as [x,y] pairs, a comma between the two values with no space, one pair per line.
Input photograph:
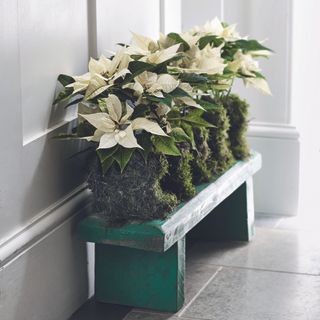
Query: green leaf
[208,105]
[121,44]
[122,156]
[162,67]
[94,92]
[194,117]
[250,45]
[192,78]
[85,129]
[189,131]
[104,154]
[178,39]
[65,79]
[178,92]
[139,66]
[212,40]
[140,111]
[63,95]
[106,164]
[167,99]
[136,56]
[165,145]
[106,157]
[75,101]
[179,135]
[136,68]
[259,75]
[144,141]
[122,94]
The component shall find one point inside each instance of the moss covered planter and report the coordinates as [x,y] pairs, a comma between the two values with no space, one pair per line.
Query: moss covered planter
[149,188]
[136,194]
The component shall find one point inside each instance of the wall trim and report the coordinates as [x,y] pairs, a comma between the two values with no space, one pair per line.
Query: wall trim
[277,183]
[273,130]
[162,21]
[43,224]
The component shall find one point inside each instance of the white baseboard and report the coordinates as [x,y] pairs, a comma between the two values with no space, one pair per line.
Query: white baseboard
[44,266]
[277,183]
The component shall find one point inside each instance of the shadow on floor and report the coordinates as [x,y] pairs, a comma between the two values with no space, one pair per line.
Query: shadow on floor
[93,310]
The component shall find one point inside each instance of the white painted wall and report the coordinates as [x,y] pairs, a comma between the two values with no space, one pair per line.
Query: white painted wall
[272,128]
[116,19]
[43,265]
[305,102]
[198,12]
[170,16]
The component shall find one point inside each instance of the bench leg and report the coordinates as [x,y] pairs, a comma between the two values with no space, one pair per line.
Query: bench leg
[141,278]
[233,219]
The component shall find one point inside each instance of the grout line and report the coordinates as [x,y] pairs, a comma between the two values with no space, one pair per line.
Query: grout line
[199,292]
[264,270]
[277,224]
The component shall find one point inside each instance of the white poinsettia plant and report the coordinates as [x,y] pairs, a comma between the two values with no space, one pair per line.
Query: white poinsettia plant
[151,93]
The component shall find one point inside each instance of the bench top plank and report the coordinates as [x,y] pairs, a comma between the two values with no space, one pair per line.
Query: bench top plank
[160,235]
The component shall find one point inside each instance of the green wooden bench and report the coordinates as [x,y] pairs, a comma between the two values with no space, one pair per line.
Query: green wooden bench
[143,264]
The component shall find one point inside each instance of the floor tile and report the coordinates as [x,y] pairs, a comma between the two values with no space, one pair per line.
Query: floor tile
[303,223]
[243,294]
[197,275]
[93,310]
[271,249]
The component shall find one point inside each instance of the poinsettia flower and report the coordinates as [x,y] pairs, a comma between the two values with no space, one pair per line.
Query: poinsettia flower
[150,50]
[102,74]
[162,55]
[216,28]
[245,64]
[113,127]
[213,27]
[142,45]
[190,38]
[153,84]
[208,60]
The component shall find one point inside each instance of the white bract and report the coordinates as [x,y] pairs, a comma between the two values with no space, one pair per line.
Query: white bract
[208,60]
[153,84]
[113,127]
[150,50]
[259,84]
[216,28]
[245,64]
[187,100]
[102,74]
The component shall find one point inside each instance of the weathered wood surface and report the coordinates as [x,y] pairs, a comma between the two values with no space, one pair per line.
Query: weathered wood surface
[139,278]
[160,235]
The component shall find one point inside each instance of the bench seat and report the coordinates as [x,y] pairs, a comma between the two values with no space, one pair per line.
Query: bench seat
[142,264]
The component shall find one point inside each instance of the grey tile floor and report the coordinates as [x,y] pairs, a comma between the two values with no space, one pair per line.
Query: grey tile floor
[275,277]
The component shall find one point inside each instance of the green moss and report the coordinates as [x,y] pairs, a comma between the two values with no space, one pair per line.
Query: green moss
[221,156]
[179,178]
[200,170]
[238,111]
[136,194]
